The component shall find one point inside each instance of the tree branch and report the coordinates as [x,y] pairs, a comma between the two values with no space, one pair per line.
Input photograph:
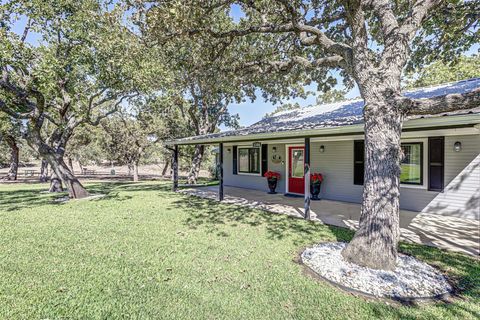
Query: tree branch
[387,18]
[441,104]
[318,37]
[108,113]
[286,65]
[416,16]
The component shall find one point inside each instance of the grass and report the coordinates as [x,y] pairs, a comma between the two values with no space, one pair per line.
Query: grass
[143,252]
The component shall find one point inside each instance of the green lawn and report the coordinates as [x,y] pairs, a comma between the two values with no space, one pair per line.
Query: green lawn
[144,252]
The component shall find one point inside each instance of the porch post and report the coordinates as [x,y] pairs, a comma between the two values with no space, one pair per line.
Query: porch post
[307,178]
[220,172]
[175,169]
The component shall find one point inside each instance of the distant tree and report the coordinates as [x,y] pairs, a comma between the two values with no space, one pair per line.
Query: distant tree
[84,146]
[129,135]
[440,72]
[331,96]
[282,108]
[166,119]
[125,141]
[10,135]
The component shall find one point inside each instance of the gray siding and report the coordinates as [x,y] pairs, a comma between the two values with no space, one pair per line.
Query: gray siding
[336,164]
[461,197]
[254,181]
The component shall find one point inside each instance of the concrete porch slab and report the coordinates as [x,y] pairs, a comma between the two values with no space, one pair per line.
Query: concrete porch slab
[451,233]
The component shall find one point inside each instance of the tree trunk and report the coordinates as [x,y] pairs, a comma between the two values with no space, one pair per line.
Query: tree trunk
[53,152]
[70,164]
[196,163]
[44,171]
[55,183]
[375,243]
[165,168]
[80,166]
[75,189]
[135,171]
[14,152]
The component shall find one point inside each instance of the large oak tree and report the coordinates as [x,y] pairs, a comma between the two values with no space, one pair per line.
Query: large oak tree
[83,65]
[367,42]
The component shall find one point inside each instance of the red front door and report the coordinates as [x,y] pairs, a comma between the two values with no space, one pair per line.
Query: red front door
[296,177]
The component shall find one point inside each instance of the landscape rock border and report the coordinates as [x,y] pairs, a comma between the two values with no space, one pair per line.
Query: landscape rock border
[446,297]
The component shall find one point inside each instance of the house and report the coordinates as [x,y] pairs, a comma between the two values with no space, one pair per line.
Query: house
[440,168]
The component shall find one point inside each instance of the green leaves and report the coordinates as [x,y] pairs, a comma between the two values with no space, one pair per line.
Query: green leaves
[441,72]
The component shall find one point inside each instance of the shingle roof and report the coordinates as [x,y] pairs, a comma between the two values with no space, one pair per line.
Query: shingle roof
[336,114]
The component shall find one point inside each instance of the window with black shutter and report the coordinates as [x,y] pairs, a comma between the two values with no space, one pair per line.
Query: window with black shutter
[358,161]
[436,163]
[249,160]
[234,164]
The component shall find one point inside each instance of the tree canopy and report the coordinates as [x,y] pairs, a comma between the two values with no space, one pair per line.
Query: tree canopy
[440,72]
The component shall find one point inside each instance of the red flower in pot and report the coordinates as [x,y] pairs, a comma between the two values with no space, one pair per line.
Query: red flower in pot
[272,178]
[316,180]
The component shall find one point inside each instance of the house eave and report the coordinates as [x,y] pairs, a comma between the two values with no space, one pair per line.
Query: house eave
[451,121]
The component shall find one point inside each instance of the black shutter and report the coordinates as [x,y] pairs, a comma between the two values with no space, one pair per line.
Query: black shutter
[358,162]
[234,164]
[436,163]
[264,158]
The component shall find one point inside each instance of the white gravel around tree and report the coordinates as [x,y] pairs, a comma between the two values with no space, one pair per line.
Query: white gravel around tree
[412,278]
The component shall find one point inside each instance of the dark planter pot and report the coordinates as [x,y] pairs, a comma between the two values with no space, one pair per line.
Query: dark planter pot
[272,185]
[315,191]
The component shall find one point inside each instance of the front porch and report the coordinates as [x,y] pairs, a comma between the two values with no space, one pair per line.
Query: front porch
[451,233]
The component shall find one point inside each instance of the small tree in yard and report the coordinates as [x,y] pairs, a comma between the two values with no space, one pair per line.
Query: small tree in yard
[125,141]
[81,70]
[370,43]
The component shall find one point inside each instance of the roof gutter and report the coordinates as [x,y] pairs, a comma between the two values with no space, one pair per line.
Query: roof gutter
[409,125]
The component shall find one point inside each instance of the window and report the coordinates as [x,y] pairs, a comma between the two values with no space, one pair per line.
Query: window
[412,163]
[297,167]
[249,160]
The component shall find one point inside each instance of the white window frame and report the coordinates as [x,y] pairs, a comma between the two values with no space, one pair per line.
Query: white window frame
[259,160]
[424,163]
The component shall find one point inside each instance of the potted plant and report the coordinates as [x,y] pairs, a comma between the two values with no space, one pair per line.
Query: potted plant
[315,184]
[272,178]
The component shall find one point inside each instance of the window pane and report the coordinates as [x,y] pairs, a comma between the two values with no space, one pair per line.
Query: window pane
[297,163]
[411,163]
[243,160]
[249,160]
[254,160]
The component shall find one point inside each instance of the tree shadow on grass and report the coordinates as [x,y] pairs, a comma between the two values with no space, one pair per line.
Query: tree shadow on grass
[213,216]
[34,197]
[462,269]
[12,200]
